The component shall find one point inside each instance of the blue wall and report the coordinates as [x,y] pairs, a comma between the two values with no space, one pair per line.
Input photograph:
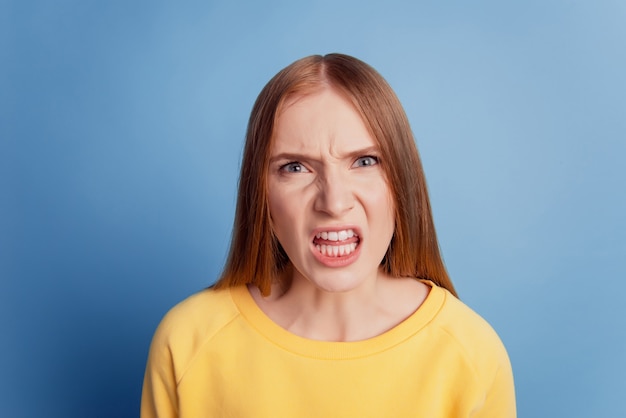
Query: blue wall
[121,129]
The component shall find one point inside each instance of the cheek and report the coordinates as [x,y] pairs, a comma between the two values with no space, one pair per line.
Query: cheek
[380,202]
[281,214]
[381,218]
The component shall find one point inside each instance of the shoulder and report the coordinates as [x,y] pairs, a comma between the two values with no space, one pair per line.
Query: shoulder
[206,309]
[191,324]
[482,353]
[202,315]
[473,337]
[464,323]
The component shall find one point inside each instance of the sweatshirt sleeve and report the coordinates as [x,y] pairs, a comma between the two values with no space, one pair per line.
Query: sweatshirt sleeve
[159,398]
[500,398]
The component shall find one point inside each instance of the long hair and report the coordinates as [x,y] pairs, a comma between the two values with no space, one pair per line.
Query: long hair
[256,256]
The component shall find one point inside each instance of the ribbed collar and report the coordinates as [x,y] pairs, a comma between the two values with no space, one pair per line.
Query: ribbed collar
[258,320]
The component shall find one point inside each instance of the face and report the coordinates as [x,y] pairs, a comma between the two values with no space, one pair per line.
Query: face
[330,205]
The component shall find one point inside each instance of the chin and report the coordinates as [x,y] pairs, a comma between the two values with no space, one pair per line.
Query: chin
[338,282]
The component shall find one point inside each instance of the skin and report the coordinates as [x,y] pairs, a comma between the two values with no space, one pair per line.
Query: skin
[326,175]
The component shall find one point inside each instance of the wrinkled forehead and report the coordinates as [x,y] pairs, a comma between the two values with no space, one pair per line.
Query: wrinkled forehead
[322,126]
[294,98]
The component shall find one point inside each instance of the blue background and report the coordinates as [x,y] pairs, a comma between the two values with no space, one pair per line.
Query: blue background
[121,130]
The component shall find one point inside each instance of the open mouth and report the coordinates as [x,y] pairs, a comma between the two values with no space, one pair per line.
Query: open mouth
[336,243]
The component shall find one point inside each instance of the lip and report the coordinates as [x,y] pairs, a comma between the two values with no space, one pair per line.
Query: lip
[340,261]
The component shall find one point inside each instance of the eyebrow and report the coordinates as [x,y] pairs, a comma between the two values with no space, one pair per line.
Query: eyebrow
[289,156]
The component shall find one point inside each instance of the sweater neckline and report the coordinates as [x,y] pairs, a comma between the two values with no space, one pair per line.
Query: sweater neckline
[279,336]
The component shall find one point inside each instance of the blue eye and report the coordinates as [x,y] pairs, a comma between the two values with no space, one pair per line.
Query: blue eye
[293,167]
[366,161]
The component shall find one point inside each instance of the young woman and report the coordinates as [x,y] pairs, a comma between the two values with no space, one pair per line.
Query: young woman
[334,301]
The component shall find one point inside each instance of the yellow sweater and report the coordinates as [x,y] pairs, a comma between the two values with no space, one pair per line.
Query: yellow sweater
[216,354]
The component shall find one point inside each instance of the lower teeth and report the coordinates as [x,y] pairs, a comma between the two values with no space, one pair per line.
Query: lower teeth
[336,250]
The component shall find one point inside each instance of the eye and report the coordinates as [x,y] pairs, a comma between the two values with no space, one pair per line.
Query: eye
[293,167]
[366,161]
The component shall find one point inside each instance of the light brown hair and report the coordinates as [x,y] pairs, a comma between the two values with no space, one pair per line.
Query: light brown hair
[256,256]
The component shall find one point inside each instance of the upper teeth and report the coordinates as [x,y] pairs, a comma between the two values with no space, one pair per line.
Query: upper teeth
[336,235]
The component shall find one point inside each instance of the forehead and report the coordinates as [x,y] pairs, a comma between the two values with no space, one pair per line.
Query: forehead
[322,119]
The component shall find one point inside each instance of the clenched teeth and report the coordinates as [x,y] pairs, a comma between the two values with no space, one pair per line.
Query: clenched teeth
[336,235]
[336,250]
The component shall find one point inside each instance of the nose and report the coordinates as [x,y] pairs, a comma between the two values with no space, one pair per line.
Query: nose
[335,196]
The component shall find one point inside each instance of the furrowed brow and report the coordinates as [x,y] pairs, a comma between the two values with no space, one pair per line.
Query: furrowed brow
[373,150]
[288,156]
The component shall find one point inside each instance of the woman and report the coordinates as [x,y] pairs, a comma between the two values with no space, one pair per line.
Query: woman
[334,301]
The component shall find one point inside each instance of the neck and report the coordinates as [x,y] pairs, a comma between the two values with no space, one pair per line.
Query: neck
[333,316]
[357,314]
